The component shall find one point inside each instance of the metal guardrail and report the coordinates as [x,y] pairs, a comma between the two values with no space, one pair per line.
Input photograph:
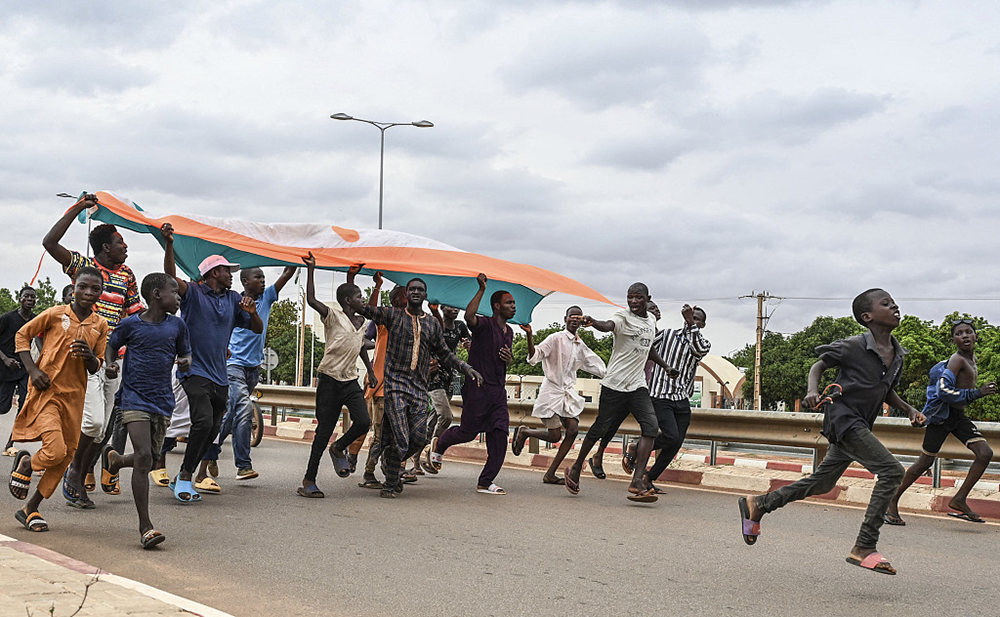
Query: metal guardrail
[774,428]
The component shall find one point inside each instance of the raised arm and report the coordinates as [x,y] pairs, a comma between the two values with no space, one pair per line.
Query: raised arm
[601,326]
[470,311]
[169,267]
[531,341]
[51,241]
[317,306]
[353,272]
[286,275]
[376,290]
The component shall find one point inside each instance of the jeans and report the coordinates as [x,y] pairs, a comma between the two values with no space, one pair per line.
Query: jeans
[674,418]
[858,445]
[238,420]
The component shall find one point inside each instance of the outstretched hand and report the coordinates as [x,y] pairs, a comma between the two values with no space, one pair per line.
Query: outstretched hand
[378,278]
[354,269]
[526,327]
[167,231]
[481,279]
[309,260]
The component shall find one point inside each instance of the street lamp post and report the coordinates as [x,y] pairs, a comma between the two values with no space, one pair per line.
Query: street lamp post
[382,126]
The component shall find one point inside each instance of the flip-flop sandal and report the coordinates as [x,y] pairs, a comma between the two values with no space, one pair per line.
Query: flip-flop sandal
[160,477]
[558,480]
[597,470]
[437,460]
[972,517]
[352,459]
[69,491]
[19,483]
[31,522]
[151,538]
[109,481]
[311,491]
[492,490]
[894,519]
[208,485]
[179,486]
[427,465]
[874,562]
[571,485]
[751,529]
[375,484]
[83,502]
[89,482]
[514,448]
[340,464]
[11,451]
[628,462]
[647,496]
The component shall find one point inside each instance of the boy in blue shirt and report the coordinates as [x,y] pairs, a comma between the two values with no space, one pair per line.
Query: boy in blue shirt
[952,388]
[869,366]
[154,339]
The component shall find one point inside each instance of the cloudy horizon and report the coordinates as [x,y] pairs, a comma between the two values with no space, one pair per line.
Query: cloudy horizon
[811,149]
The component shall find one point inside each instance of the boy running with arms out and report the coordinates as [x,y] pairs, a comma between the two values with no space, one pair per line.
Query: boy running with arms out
[562,354]
[154,340]
[75,341]
[952,388]
[869,366]
[623,389]
[338,377]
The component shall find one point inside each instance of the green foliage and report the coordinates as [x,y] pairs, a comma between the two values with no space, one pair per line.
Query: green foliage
[282,327]
[785,361]
[8,302]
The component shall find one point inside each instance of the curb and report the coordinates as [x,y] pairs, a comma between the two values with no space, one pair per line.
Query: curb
[731,474]
[62,561]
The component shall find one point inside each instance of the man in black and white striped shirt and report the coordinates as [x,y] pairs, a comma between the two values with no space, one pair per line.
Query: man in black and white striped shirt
[671,393]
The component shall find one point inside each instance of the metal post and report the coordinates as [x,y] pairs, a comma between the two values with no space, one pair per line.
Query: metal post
[713,452]
[936,472]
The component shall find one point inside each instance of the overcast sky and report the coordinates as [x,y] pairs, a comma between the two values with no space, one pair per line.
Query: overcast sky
[709,149]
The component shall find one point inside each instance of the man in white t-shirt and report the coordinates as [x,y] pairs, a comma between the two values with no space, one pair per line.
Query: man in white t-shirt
[623,389]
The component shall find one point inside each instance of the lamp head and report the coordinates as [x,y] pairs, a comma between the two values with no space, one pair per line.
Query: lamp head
[341,116]
[424,124]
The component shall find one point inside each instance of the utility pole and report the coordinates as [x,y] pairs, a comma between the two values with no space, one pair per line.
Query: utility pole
[762,297]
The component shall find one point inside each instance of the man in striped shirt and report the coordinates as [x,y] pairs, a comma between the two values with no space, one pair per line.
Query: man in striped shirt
[681,349]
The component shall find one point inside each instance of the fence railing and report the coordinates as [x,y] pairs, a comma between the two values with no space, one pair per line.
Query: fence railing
[775,428]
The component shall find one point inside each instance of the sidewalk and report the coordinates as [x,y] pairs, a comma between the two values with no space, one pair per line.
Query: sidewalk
[35,581]
[737,472]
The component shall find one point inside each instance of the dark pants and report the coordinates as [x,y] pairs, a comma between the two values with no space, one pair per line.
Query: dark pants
[207,401]
[857,445]
[7,389]
[331,397]
[674,418]
[484,410]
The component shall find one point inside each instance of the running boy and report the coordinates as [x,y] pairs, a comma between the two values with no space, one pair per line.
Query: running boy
[559,405]
[869,366]
[952,387]
[75,341]
[338,378]
[154,339]
[623,389]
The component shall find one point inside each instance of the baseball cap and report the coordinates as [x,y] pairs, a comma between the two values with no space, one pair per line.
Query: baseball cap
[214,261]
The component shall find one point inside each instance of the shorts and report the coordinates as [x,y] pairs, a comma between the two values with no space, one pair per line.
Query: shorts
[957,424]
[158,424]
[614,406]
[552,421]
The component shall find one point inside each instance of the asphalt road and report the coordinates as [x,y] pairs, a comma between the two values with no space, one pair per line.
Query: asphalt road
[442,549]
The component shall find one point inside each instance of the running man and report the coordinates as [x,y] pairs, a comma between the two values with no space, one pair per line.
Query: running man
[484,406]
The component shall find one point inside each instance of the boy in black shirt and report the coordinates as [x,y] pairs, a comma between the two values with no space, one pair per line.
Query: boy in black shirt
[869,366]
[13,377]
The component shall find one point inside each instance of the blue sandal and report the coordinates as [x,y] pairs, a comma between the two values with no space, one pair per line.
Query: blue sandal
[179,486]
